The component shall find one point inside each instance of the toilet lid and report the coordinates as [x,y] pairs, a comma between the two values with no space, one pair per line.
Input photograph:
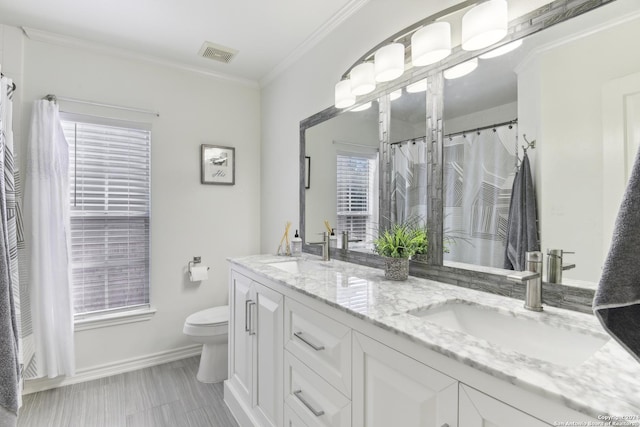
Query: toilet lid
[210,316]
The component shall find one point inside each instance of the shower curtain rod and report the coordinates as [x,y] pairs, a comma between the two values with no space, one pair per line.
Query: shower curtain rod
[55,98]
[510,122]
[408,140]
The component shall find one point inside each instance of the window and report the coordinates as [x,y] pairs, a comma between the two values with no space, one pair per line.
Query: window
[356,197]
[110,207]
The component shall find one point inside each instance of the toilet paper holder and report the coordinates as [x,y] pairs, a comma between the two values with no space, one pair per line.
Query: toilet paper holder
[196,260]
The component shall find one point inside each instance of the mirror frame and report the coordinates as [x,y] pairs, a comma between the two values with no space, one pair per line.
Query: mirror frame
[544,17]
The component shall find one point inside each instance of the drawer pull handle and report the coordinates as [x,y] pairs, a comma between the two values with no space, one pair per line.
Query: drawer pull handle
[445,425]
[246,315]
[251,330]
[298,394]
[307,342]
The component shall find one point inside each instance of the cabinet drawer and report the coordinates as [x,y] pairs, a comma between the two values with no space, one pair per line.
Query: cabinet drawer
[321,342]
[312,399]
[291,419]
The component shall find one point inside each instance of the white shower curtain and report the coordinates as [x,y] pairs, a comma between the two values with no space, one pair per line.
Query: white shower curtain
[409,181]
[479,168]
[47,226]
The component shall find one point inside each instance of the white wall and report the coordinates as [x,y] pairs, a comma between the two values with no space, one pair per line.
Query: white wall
[307,88]
[188,219]
[488,117]
[570,142]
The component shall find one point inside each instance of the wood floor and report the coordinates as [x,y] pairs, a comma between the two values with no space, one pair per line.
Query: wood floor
[164,395]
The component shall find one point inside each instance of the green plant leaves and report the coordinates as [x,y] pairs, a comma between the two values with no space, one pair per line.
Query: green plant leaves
[401,241]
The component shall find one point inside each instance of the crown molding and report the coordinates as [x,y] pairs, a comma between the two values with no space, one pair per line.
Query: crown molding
[325,29]
[74,42]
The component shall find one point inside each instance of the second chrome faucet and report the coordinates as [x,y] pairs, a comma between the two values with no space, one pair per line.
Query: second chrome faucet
[326,255]
[532,277]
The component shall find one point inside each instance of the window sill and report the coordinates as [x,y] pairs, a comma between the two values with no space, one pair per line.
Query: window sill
[114,319]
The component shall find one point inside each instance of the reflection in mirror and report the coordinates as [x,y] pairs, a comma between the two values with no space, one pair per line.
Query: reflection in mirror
[408,154]
[574,89]
[479,160]
[344,183]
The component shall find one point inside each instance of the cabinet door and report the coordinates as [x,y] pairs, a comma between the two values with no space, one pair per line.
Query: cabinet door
[268,378]
[392,389]
[240,341]
[479,410]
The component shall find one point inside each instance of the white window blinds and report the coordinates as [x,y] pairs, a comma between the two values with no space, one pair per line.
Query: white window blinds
[355,190]
[110,207]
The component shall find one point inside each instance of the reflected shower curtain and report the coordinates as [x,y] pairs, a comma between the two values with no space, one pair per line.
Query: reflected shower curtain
[409,181]
[46,207]
[478,170]
[10,235]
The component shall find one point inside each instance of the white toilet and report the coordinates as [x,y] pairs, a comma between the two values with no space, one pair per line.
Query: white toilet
[211,328]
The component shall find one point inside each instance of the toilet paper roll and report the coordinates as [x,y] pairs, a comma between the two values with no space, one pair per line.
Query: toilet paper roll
[198,273]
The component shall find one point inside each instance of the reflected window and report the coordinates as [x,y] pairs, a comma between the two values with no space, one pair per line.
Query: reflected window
[357,190]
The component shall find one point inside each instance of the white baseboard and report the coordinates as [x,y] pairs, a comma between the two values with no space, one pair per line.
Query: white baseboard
[114,368]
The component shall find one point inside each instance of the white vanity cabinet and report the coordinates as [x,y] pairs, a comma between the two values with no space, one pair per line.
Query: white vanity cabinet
[390,389]
[295,361]
[255,352]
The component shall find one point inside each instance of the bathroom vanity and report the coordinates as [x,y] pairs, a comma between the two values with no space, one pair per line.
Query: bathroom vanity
[315,343]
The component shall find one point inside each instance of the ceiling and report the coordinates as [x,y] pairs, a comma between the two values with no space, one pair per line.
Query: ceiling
[268,35]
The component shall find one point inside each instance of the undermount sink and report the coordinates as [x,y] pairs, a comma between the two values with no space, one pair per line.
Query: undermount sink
[528,336]
[299,266]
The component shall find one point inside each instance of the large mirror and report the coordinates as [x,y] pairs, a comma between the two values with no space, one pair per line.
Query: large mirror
[559,86]
[572,88]
[342,188]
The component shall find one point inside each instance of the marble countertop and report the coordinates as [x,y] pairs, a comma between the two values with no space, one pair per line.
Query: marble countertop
[607,383]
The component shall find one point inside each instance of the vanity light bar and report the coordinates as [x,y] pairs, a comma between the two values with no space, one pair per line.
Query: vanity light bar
[484,24]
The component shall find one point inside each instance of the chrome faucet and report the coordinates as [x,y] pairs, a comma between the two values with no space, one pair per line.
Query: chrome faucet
[555,265]
[346,240]
[326,256]
[532,277]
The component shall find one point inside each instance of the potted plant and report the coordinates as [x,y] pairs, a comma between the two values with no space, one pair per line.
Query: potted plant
[397,244]
[422,248]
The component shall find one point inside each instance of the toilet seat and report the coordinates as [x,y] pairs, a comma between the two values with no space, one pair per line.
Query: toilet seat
[209,317]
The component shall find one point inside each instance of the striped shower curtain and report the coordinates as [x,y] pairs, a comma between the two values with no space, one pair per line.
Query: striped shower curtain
[11,239]
[409,181]
[478,170]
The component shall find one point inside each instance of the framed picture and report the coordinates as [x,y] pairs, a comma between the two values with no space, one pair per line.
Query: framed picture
[307,172]
[218,165]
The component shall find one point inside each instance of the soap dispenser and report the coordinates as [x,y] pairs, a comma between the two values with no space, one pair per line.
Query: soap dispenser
[333,239]
[296,245]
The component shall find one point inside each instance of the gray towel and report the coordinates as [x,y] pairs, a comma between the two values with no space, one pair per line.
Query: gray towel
[617,300]
[522,227]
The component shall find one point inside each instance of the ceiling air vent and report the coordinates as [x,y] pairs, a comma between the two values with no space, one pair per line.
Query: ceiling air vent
[216,52]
